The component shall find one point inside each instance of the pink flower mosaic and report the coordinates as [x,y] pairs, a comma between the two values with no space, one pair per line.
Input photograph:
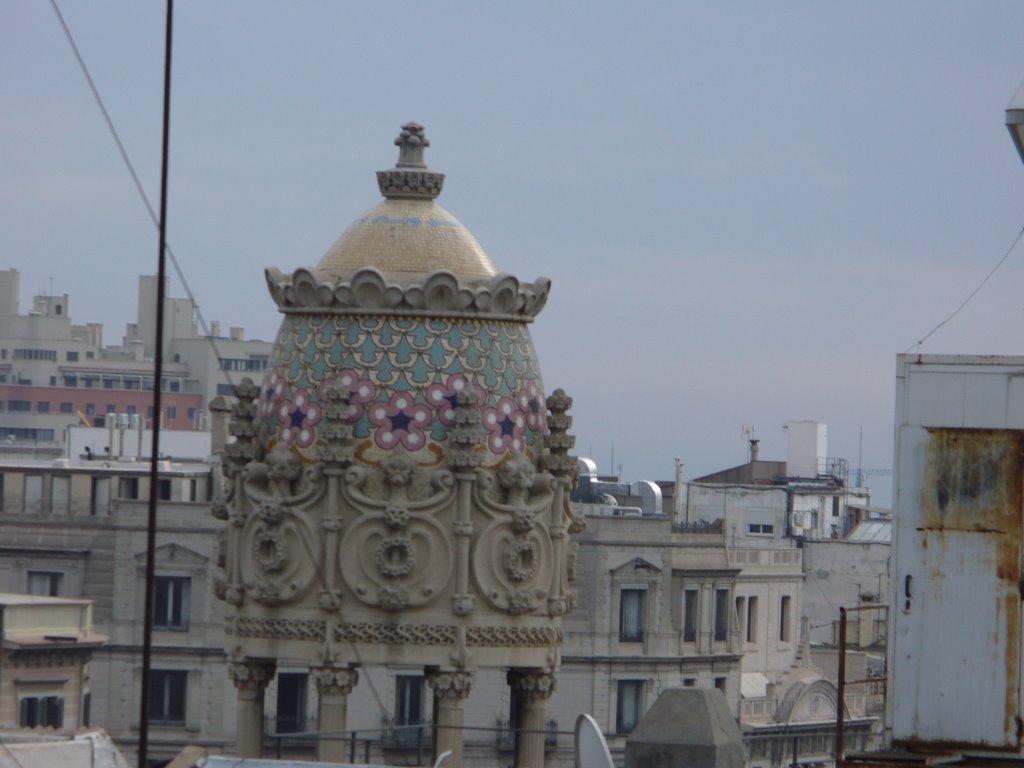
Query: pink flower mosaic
[400,421]
[531,403]
[505,423]
[363,391]
[297,419]
[271,393]
[442,396]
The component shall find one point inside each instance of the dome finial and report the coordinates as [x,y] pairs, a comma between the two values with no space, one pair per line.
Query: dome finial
[410,179]
[411,142]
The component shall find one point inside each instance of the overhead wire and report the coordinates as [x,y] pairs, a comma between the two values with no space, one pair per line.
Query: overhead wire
[973,293]
[137,182]
[170,253]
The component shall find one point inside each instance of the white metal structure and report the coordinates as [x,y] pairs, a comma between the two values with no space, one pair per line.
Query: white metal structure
[955,642]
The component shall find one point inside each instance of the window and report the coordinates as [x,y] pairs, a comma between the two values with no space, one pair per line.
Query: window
[163,489]
[760,529]
[630,703]
[27,433]
[784,619]
[408,706]
[228,390]
[741,617]
[53,381]
[70,381]
[43,406]
[87,709]
[58,309]
[171,602]
[191,414]
[721,615]
[690,616]
[131,383]
[720,683]
[111,382]
[32,503]
[291,701]
[34,711]
[111,408]
[72,357]
[131,410]
[172,412]
[100,504]
[752,620]
[90,355]
[60,495]
[175,386]
[67,408]
[631,615]
[90,409]
[689,682]
[149,411]
[19,406]
[835,506]
[46,583]
[128,488]
[167,693]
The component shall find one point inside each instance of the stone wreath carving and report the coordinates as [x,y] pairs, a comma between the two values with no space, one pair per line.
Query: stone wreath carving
[396,556]
[395,553]
[439,294]
[276,533]
[512,558]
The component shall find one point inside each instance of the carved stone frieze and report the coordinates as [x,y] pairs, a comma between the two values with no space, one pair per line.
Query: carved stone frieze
[281,629]
[513,637]
[437,294]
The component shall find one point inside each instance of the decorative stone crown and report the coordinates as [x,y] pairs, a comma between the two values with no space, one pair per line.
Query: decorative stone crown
[411,178]
[439,293]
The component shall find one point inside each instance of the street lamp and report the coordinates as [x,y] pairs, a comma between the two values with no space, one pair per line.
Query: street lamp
[1015,120]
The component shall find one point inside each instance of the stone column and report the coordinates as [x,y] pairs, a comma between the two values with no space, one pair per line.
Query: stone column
[333,686]
[250,677]
[450,691]
[532,688]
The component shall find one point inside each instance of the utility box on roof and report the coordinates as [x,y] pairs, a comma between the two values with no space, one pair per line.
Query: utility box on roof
[955,644]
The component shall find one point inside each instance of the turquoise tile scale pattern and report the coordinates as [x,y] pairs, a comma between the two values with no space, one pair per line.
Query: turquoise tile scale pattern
[404,374]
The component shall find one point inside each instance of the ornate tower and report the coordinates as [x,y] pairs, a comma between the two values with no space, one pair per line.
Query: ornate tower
[398,490]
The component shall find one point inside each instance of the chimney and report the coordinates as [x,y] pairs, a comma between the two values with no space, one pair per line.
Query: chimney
[215,328]
[754,450]
[237,333]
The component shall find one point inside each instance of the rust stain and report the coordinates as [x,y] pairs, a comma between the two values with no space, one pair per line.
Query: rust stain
[974,485]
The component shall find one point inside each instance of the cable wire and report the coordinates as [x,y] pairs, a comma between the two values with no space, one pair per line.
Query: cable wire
[971,296]
[136,181]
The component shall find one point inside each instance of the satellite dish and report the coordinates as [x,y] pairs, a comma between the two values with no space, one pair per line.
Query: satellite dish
[591,747]
[442,757]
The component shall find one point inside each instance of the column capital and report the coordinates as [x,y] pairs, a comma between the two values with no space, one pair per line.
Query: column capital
[251,674]
[532,684]
[450,685]
[332,680]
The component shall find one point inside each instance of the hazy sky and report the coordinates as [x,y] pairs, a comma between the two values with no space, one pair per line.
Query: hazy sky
[746,209]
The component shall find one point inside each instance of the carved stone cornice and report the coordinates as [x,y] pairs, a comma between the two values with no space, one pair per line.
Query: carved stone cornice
[335,681]
[452,686]
[532,684]
[251,674]
[436,294]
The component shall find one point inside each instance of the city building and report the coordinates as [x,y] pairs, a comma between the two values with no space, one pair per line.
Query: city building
[55,374]
[45,677]
[75,531]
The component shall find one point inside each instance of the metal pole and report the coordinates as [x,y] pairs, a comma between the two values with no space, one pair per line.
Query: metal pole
[841,685]
[147,642]
[352,747]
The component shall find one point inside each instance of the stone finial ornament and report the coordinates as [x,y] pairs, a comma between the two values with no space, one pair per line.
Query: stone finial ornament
[410,179]
[411,142]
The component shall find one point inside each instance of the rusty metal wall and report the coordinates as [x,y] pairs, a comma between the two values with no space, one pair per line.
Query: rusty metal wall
[955,645]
